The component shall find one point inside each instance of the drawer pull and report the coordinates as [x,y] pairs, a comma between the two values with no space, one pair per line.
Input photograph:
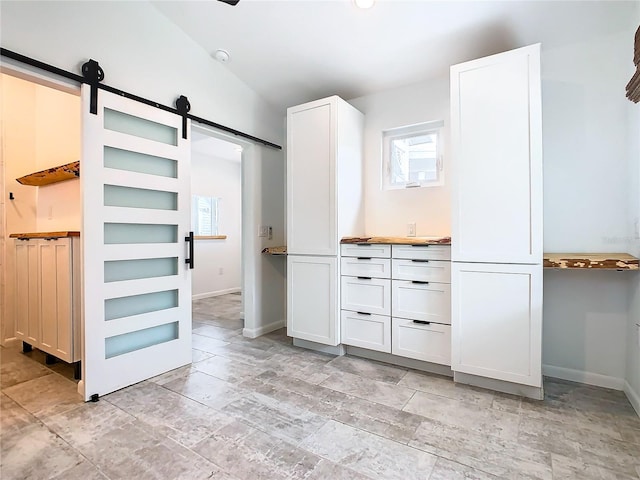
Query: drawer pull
[363,244]
[424,245]
[363,258]
[364,278]
[363,313]
[420,282]
[422,322]
[419,261]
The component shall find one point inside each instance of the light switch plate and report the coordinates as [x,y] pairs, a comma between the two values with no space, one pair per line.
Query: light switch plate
[263,231]
[411,229]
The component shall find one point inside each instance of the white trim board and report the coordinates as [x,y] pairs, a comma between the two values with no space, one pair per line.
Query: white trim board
[633,396]
[589,378]
[270,327]
[217,293]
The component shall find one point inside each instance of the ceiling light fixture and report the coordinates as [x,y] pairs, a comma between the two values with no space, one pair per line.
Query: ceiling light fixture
[364,3]
[221,55]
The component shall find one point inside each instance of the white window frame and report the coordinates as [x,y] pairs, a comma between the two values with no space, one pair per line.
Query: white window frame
[409,130]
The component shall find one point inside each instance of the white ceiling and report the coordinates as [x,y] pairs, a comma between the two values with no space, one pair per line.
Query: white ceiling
[294,51]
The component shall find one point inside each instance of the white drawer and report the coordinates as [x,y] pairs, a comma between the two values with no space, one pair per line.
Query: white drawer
[431,342]
[424,252]
[366,330]
[369,295]
[424,270]
[430,302]
[373,250]
[366,267]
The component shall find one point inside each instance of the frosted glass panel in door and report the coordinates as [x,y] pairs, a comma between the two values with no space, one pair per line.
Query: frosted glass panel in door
[119,270]
[130,342]
[137,304]
[139,127]
[116,196]
[122,233]
[139,162]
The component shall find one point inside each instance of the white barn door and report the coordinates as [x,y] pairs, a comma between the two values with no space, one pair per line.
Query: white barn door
[135,174]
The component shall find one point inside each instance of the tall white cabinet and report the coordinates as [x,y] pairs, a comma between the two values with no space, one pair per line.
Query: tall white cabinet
[324,203]
[496,282]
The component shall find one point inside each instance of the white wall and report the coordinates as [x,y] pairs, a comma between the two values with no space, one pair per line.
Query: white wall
[632,386]
[586,192]
[41,129]
[142,52]
[212,176]
[387,212]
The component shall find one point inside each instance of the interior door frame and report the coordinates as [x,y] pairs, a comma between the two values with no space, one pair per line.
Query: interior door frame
[250,247]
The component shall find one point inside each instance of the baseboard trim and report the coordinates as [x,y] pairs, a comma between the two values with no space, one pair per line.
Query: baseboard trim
[589,378]
[400,361]
[499,385]
[217,293]
[9,342]
[256,332]
[338,350]
[633,396]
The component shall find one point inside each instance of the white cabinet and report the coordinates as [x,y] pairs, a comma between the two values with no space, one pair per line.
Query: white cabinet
[496,132]
[497,321]
[324,203]
[27,290]
[366,294]
[405,311]
[430,342]
[48,295]
[423,301]
[324,176]
[312,299]
[366,330]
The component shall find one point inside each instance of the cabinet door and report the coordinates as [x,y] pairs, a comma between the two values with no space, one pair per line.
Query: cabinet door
[27,301]
[311,185]
[56,297]
[312,287]
[496,128]
[497,321]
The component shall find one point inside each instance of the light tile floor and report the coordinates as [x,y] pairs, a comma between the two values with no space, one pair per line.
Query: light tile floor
[263,409]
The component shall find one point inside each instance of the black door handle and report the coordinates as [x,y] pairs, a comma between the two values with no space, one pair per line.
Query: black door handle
[189,240]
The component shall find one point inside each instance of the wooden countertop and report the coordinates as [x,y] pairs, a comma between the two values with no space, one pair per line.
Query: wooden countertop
[399,240]
[275,250]
[598,261]
[45,234]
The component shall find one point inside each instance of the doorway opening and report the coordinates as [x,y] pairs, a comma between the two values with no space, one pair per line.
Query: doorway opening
[39,286]
[217,278]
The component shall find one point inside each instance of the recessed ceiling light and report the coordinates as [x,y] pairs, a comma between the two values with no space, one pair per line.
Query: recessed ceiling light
[221,55]
[364,3]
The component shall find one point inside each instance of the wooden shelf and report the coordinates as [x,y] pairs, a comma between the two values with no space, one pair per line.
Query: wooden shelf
[275,250]
[45,235]
[52,175]
[595,261]
[210,237]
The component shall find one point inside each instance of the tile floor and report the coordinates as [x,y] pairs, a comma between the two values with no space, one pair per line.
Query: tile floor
[263,409]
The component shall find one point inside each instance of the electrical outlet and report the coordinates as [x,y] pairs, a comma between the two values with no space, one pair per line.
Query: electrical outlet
[270,237]
[263,231]
[636,229]
[411,229]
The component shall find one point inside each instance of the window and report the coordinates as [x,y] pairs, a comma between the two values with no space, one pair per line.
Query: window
[204,216]
[412,156]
